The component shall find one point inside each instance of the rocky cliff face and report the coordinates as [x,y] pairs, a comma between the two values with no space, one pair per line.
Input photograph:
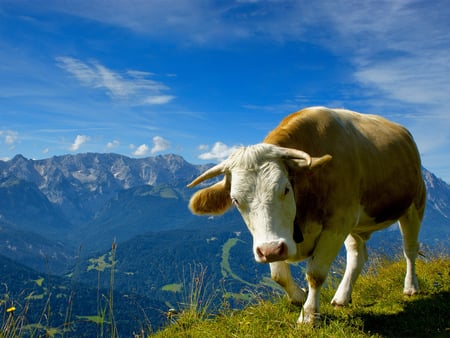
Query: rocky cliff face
[81,184]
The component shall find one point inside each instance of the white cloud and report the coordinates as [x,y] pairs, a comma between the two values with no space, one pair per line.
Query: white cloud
[78,142]
[142,150]
[159,144]
[219,152]
[133,85]
[203,147]
[113,144]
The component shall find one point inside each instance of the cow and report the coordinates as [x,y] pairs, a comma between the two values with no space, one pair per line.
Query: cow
[322,178]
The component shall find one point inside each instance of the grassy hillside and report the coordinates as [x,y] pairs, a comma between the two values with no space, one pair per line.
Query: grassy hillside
[378,309]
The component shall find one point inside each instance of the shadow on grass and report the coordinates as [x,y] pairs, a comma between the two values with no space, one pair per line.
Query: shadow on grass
[427,316]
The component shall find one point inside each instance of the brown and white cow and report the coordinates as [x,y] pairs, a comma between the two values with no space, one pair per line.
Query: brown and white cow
[322,178]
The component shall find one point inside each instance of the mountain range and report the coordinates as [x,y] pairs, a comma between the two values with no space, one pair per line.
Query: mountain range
[61,215]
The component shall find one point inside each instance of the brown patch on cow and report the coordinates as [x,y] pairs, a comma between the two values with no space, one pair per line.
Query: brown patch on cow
[375,163]
[393,211]
[214,200]
[315,281]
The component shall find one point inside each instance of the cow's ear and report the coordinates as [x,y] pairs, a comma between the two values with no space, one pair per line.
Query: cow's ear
[214,200]
[316,162]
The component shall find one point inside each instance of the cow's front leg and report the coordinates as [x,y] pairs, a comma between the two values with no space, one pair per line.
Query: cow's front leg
[281,273]
[325,252]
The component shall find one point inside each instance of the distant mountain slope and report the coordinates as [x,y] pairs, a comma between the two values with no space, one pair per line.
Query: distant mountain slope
[133,212]
[36,251]
[25,207]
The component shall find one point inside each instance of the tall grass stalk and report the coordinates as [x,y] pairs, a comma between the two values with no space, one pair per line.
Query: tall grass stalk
[197,298]
[113,327]
[68,316]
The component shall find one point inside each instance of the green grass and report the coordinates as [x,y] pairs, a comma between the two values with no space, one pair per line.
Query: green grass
[175,287]
[379,309]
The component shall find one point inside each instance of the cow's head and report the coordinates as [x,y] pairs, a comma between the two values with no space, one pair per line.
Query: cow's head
[257,182]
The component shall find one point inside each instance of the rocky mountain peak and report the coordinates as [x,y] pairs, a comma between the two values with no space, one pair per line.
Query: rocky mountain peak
[80,184]
[438,193]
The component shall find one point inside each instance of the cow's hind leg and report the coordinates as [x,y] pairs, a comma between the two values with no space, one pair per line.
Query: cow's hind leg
[281,273]
[356,257]
[409,227]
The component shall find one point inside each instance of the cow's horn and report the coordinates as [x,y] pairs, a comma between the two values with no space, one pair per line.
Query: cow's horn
[297,154]
[210,173]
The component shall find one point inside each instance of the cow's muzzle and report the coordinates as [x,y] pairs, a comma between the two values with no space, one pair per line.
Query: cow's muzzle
[272,252]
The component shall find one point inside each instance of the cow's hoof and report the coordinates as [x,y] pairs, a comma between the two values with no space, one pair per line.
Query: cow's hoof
[309,319]
[411,286]
[410,292]
[340,304]
[337,305]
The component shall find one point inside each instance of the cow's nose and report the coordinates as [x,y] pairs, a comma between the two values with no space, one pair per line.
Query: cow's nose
[272,252]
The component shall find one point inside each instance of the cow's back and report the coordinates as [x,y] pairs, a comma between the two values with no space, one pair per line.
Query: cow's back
[375,162]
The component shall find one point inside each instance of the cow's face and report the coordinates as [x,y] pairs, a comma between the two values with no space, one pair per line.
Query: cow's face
[265,199]
[256,181]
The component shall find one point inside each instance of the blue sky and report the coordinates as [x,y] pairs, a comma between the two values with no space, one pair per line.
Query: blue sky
[198,78]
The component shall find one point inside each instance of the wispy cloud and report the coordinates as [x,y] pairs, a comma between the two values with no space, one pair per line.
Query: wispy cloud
[400,51]
[218,152]
[134,86]
[401,48]
[159,99]
[78,142]
[9,137]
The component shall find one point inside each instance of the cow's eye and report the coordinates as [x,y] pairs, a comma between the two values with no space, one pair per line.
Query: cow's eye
[286,191]
[235,201]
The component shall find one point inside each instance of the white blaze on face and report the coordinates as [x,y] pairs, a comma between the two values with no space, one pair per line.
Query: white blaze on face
[265,199]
